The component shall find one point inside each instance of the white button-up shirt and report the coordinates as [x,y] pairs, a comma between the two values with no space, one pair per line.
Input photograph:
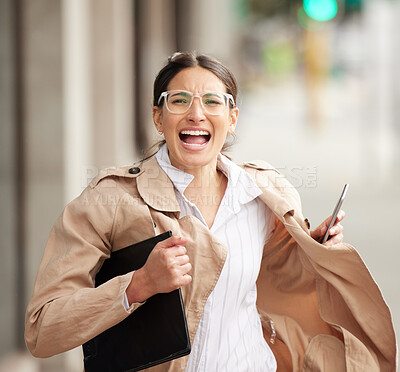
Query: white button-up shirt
[229,337]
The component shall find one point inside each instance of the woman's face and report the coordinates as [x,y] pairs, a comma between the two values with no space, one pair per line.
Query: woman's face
[195,138]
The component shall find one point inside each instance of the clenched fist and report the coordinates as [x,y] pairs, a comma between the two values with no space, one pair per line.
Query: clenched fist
[166,269]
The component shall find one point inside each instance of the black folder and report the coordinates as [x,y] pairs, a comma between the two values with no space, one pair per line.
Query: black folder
[154,333]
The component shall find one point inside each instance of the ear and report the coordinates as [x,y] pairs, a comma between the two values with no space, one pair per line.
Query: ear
[233,115]
[157,118]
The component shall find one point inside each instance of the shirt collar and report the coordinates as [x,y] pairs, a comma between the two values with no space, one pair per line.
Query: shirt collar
[179,178]
[241,188]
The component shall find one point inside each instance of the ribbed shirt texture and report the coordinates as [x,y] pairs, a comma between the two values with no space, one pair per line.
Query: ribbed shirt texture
[229,337]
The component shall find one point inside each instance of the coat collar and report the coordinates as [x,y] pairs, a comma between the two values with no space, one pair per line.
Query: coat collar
[157,190]
[276,193]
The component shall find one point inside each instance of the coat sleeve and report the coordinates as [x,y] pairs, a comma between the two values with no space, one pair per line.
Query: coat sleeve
[66,310]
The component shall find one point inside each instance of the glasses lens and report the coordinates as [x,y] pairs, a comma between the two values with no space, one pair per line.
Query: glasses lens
[178,102]
[214,103]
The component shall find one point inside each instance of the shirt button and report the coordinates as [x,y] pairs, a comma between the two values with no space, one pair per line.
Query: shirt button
[134,170]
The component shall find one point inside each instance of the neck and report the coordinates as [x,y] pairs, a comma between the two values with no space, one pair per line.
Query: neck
[206,177]
[206,191]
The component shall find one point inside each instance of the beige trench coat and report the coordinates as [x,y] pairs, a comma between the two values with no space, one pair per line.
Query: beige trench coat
[319,305]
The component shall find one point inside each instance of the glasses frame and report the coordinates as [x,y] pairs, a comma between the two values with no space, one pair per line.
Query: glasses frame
[164,95]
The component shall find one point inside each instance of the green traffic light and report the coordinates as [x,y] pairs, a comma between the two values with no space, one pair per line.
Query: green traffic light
[320,10]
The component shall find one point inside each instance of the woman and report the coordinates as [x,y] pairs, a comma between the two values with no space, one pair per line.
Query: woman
[260,292]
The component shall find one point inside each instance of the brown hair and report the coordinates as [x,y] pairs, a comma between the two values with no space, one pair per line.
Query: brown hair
[180,61]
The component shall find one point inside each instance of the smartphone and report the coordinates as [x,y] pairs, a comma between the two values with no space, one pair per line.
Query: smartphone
[335,213]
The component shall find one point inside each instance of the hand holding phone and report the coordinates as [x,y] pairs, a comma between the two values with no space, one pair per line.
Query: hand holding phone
[335,213]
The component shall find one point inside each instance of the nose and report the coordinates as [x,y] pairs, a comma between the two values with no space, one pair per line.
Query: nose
[196,111]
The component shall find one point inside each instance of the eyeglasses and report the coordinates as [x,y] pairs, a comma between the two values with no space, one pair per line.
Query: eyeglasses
[180,101]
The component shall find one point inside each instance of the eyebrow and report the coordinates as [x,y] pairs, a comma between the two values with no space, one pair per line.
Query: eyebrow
[180,93]
[211,93]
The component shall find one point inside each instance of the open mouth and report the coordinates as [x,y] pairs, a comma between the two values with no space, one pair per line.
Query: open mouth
[194,137]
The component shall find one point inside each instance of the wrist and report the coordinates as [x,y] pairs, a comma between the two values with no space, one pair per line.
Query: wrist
[138,289]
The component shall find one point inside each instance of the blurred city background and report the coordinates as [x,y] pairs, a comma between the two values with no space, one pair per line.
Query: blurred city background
[319,99]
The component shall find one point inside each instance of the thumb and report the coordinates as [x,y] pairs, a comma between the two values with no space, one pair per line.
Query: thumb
[319,231]
[172,242]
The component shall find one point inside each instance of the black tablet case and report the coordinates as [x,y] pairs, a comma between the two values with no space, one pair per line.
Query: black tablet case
[154,333]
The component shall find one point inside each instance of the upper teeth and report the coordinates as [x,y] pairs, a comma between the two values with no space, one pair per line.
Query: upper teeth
[195,132]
